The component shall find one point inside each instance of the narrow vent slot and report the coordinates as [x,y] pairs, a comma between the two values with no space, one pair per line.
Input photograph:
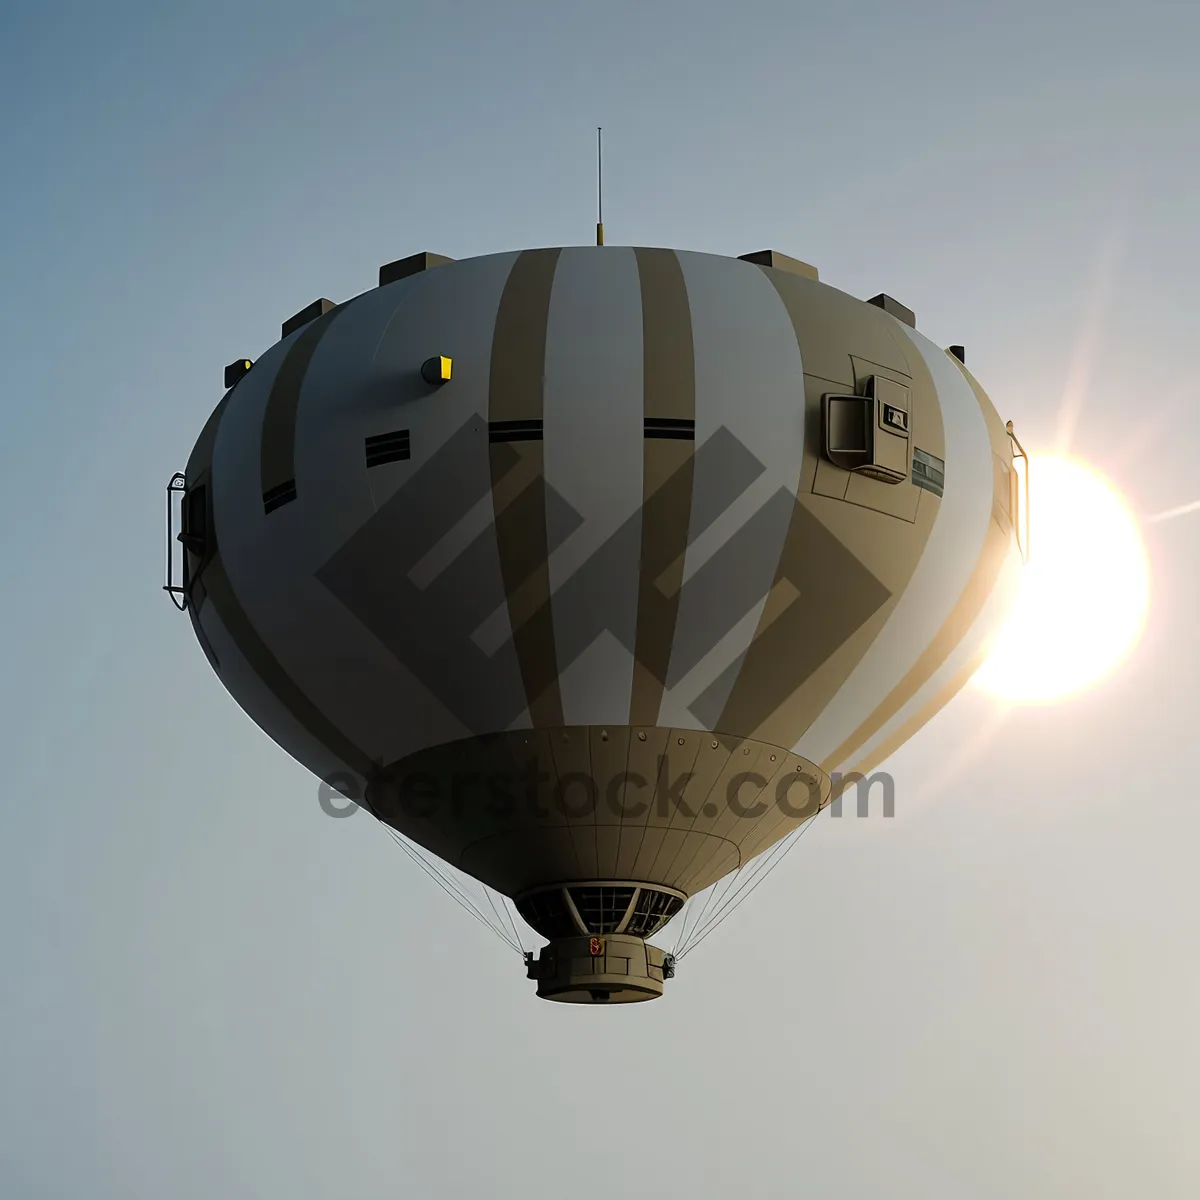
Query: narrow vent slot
[277,497]
[671,427]
[515,431]
[928,472]
[387,448]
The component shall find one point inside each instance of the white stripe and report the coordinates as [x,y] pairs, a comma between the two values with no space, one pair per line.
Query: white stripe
[749,379]
[973,644]
[947,562]
[359,383]
[592,422]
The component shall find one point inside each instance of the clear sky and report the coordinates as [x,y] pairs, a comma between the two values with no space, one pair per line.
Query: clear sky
[210,988]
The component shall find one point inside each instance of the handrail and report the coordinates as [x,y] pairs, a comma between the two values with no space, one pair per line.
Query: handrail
[176,591]
[1022,515]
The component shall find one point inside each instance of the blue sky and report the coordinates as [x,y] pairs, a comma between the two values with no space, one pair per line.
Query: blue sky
[208,986]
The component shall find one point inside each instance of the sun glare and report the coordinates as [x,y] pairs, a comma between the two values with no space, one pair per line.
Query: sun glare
[1081,603]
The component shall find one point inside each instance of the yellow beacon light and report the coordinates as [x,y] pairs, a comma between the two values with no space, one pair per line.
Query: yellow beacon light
[437,369]
[236,370]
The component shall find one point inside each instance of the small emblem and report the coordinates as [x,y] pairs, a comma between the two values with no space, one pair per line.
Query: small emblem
[596,946]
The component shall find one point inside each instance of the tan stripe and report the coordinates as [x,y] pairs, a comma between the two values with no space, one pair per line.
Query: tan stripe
[1001,451]
[928,429]
[277,457]
[200,461]
[957,625]
[199,470]
[962,616]
[830,325]
[847,576]
[271,673]
[668,390]
[995,427]
[257,654]
[516,388]
[930,709]
[838,597]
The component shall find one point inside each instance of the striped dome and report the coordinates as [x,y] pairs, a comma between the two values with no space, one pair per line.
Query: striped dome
[618,521]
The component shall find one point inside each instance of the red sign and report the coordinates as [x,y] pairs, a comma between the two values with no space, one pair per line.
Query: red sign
[596,946]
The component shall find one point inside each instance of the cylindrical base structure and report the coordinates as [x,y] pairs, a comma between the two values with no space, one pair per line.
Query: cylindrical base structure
[611,969]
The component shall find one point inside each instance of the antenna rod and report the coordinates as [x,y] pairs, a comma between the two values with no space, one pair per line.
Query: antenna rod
[599,189]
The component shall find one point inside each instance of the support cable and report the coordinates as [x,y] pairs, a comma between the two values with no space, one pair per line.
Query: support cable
[454,890]
[773,859]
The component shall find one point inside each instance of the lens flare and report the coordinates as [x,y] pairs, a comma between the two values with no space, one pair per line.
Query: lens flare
[1082,601]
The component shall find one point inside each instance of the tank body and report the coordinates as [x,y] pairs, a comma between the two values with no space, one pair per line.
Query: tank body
[596,618]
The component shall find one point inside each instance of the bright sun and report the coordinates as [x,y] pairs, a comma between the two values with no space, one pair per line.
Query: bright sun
[1081,603]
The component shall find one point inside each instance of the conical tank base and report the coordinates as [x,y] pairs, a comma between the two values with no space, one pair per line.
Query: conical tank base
[610,969]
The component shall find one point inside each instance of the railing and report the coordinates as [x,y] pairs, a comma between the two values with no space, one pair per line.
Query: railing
[176,487]
[1020,493]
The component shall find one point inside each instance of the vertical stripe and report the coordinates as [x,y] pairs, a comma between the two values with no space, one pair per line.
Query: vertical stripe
[200,460]
[971,645]
[831,596]
[949,559]
[361,673]
[839,566]
[270,671]
[944,648]
[593,461]
[929,434]
[516,383]
[668,390]
[452,310]
[750,383]
[263,707]
[961,643]
[199,469]
[1001,446]
[247,653]
[831,325]
[277,463]
[428,629]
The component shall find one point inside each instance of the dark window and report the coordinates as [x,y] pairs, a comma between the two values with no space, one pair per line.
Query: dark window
[670,427]
[277,497]
[602,909]
[388,447]
[515,431]
[194,521]
[652,911]
[547,912]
